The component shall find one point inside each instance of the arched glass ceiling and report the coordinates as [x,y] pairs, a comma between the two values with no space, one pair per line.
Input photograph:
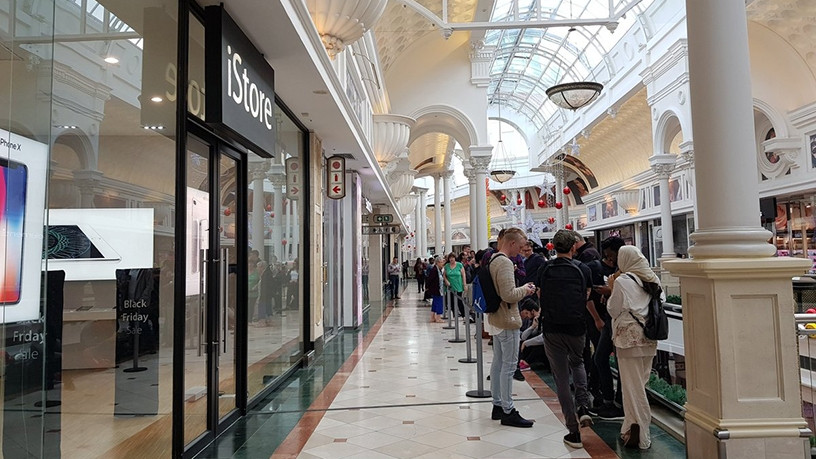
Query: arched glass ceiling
[528,61]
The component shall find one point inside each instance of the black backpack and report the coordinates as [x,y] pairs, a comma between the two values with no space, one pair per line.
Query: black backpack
[563,292]
[657,323]
[491,296]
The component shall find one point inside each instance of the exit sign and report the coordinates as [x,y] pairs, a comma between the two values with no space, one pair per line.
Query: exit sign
[336,177]
[383,218]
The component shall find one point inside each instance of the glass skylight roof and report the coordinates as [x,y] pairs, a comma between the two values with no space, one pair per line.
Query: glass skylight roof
[528,61]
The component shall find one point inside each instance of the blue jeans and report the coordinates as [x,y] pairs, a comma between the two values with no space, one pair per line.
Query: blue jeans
[394,280]
[505,358]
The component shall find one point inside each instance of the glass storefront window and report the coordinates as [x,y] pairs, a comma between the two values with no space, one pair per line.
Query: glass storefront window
[107,256]
[275,272]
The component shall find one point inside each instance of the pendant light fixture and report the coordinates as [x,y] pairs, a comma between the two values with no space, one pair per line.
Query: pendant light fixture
[573,96]
[502,171]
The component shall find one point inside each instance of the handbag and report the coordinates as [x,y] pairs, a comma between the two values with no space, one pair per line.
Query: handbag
[656,325]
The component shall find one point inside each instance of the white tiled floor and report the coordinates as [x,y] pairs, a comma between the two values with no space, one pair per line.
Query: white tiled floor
[406,399]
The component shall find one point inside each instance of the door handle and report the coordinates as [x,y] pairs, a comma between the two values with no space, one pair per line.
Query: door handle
[224,280]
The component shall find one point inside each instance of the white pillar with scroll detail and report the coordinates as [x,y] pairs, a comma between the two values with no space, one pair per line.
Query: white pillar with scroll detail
[663,165]
[740,337]
[446,179]
[437,215]
[257,174]
[480,161]
[470,174]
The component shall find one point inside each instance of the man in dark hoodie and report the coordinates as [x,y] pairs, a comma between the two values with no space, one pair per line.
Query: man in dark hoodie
[586,253]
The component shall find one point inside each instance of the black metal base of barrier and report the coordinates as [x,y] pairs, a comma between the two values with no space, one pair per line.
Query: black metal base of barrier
[448,327]
[468,360]
[478,394]
[460,340]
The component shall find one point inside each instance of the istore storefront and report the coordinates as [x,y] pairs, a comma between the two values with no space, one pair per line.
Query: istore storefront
[153,231]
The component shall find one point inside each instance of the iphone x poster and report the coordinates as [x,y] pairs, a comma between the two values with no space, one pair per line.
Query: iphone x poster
[23,165]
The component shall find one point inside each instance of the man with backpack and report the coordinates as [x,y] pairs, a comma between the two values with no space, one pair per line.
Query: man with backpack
[564,286]
[503,322]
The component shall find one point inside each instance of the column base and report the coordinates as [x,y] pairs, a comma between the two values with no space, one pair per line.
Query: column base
[670,283]
[731,243]
[743,382]
[749,438]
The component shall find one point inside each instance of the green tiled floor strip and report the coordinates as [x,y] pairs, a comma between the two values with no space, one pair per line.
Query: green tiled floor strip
[664,446]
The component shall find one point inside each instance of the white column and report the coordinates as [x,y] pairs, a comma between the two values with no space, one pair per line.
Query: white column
[663,165]
[446,179]
[480,160]
[257,173]
[741,350]
[470,173]
[724,141]
[294,240]
[437,216]
[523,213]
[423,196]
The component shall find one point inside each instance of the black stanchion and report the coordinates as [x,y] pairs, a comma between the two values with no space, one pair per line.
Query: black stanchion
[480,392]
[448,314]
[454,296]
[468,311]
[136,332]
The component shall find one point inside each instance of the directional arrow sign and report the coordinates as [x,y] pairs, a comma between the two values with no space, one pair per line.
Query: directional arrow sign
[336,177]
[293,178]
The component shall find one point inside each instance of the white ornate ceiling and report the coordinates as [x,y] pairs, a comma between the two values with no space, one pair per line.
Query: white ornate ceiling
[401,26]
[427,153]
[619,148]
[793,20]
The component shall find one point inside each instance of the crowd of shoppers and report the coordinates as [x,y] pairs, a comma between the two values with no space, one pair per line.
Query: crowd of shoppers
[567,310]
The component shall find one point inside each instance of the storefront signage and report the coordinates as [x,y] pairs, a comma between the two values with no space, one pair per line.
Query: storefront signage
[336,177]
[293,180]
[387,229]
[241,96]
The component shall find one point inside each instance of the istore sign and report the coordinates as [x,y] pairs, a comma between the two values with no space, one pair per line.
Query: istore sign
[240,83]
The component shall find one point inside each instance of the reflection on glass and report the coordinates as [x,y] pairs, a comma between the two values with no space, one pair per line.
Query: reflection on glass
[110,252]
[275,309]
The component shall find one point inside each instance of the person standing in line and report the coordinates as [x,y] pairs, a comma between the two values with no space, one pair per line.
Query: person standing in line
[455,281]
[393,278]
[419,273]
[433,287]
[504,326]
[628,305]
[364,272]
[564,286]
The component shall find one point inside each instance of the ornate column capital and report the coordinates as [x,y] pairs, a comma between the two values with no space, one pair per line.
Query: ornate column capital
[480,163]
[257,170]
[663,165]
[481,57]
[687,152]
[470,174]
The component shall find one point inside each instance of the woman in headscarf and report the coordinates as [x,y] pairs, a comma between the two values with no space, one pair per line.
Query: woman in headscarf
[628,304]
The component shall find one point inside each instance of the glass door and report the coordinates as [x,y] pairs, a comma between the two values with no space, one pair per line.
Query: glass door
[211,288]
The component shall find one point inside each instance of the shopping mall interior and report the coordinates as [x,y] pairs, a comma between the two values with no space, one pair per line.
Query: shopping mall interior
[201,269]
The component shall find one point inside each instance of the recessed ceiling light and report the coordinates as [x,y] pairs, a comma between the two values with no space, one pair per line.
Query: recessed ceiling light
[320,91]
[111,60]
[156,99]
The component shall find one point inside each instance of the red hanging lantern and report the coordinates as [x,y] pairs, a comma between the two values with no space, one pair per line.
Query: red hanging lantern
[558,205]
[541,203]
[551,219]
[549,246]
[227,212]
[272,214]
[567,190]
[518,201]
[568,226]
[503,198]
[284,242]
[269,207]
